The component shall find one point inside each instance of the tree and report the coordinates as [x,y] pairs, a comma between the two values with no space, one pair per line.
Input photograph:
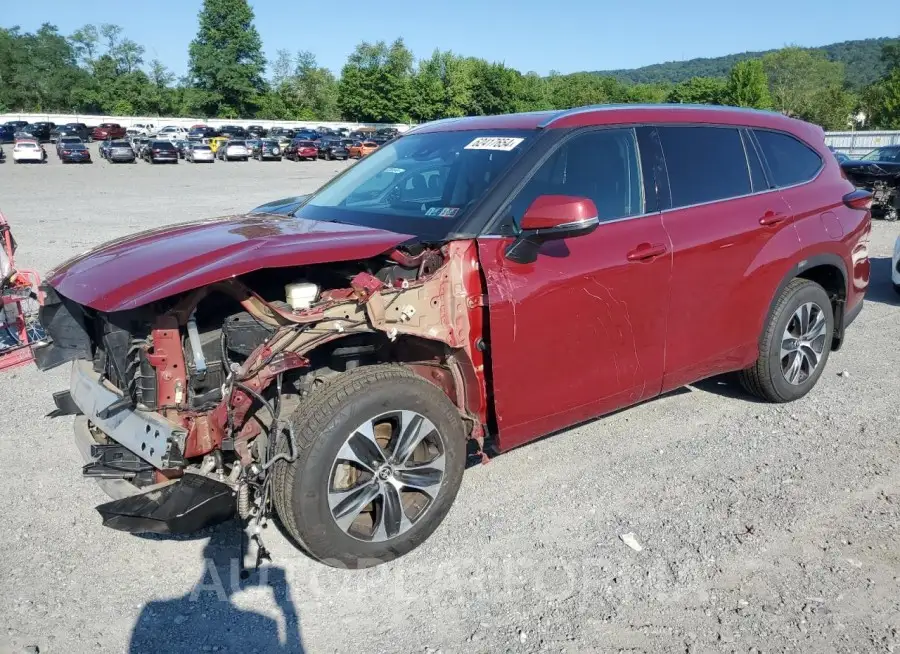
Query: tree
[699,90]
[376,83]
[225,59]
[85,41]
[748,85]
[797,78]
[111,33]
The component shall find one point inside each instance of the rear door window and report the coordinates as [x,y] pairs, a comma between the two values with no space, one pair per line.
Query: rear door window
[790,161]
[704,164]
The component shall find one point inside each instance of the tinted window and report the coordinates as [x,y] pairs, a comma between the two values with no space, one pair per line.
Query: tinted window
[236,143]
[704,164]
[163,145]
[790,161]
[120,144]
[601,165]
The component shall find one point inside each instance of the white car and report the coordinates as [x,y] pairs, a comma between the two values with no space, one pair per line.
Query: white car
[172,133]
[199,152]
[231,150]
[139,130]
[28,151]
[895,261]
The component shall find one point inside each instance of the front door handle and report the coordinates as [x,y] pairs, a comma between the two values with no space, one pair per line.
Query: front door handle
[647,251]
[772,218]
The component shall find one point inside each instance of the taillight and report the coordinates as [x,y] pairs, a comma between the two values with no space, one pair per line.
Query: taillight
[859,199]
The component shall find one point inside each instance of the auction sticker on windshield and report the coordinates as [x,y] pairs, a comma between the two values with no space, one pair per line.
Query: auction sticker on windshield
[502,143]
[442,212]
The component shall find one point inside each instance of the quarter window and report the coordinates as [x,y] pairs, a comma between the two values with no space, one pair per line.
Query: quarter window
[790,161]
[704,164]
[602,165]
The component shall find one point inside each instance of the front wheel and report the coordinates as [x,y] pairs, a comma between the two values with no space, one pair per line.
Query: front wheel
[381,453]
[795,344]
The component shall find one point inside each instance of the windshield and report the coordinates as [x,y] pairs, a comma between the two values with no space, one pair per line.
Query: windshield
[422,184]
[121,144]
[238,143]
[883,154]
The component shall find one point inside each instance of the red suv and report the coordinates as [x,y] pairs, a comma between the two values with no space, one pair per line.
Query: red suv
[108,131]
[468,287]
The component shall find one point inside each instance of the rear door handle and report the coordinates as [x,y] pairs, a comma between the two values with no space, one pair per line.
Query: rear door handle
[772,218]
[647,251]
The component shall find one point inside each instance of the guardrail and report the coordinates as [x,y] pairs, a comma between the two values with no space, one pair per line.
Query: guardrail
[182,121]
[856,144]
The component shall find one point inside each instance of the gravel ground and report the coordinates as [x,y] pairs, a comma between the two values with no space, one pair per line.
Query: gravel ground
[764,528]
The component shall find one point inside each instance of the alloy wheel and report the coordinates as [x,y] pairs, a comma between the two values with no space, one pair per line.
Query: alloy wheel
[386,475]
[803,343]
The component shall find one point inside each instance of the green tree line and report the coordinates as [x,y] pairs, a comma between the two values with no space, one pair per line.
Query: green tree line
[97,69]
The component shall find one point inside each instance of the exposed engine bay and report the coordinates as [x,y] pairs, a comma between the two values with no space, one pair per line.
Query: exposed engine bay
[189,399]
[883,180]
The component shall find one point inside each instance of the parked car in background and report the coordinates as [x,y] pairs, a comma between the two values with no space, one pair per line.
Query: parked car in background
[71,129]
[360,149]
[172,133]
[267,149]
[75,153]
[233,132]
[233,150]
[878,172]
[41,131]
[160,151]
[301,149]
[196,152]
[256,131]
[28,150]
[2,155]
[200,132]
[332,149]
[66,141]
[251,144]
[16,125]
[137,144]
[181,147]
[108,131]
[6,133]
[119,151]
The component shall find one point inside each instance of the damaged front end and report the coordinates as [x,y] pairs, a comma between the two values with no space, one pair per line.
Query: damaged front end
[882,179]
[184,403]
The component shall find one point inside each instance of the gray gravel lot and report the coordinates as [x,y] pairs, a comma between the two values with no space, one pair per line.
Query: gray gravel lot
[765,528]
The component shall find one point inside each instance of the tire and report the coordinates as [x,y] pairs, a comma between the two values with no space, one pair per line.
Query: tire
[322,424]
[766,379]
[896,288]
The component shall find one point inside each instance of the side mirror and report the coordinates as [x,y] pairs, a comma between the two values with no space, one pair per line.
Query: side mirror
[552,217]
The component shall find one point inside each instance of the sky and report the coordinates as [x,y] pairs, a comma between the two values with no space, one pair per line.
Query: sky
[563,35]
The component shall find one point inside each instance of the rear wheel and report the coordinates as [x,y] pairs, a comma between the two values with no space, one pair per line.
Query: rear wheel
[795,345]
[381,458]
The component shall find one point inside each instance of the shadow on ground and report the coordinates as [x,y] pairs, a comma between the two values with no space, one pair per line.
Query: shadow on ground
[880,287]
[206,619]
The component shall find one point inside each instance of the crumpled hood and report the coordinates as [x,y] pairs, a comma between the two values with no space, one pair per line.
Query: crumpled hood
[149,266]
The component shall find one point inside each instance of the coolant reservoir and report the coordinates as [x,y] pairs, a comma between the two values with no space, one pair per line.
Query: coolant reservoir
[301,296]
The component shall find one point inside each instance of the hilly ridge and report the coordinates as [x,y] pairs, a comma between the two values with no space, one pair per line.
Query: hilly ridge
[861,58]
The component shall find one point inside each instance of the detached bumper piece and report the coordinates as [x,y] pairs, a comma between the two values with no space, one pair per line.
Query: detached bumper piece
[182,506]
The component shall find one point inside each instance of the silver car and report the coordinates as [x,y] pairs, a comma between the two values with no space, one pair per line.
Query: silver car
[199,152]
[231,150]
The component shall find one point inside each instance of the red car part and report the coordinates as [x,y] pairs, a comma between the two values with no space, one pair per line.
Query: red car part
[19,289]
